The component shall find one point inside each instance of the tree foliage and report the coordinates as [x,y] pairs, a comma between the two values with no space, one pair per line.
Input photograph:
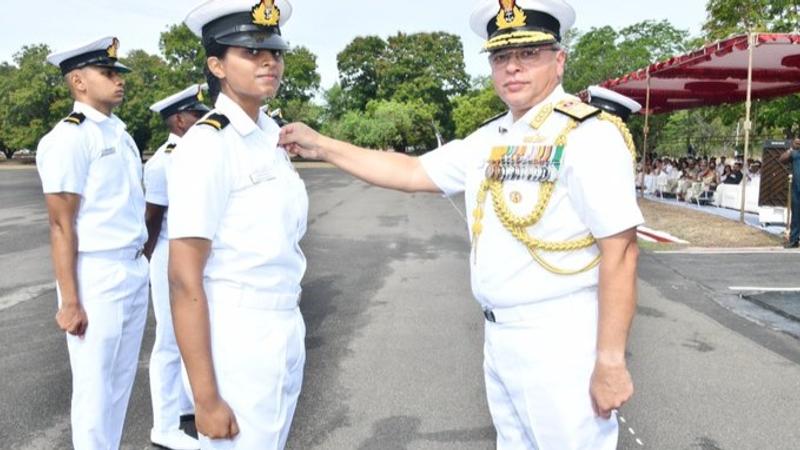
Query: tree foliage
[474,107]
[34,98]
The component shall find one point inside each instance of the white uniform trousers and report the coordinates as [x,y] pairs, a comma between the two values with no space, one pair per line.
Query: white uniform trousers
[538,366]
[113,291]
[170,398]
[258,349]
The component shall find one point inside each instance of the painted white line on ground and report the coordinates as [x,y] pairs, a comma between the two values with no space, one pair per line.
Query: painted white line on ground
[764,289]
[662,236]
[729,251]
[25,294]
[630,429]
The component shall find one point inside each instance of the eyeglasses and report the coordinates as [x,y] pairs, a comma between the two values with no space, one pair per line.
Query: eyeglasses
[527,56]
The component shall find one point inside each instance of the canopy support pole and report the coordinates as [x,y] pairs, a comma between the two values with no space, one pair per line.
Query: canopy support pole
[751,43]
[646,130]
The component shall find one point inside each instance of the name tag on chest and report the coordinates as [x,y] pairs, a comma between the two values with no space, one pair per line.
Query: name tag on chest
[262,176]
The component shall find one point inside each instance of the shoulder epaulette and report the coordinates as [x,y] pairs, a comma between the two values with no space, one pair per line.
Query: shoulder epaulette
[492,119]
[277,116]
[75,118]
[216,121]
[170,147]
[577,110]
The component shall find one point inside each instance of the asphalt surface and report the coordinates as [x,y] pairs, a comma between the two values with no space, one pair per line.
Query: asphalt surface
[394,338]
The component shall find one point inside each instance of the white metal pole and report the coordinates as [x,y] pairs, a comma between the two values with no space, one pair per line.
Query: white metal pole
[751,40]
[646,128]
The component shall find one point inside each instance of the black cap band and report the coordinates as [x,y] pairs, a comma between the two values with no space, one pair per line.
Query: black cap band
[611,107]
[233,29]
[188,104]
[535,21]
[96,58]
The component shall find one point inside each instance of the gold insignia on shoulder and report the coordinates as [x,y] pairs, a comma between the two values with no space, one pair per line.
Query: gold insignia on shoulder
[200,96]
[266,14]
[542,116]
[577,110]
[510,15]
[113,48]
[75,118]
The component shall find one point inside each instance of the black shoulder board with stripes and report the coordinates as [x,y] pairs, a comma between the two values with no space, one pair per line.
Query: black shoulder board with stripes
[492,119]
[217,121]
[170,148]
[75,118]
[577,110]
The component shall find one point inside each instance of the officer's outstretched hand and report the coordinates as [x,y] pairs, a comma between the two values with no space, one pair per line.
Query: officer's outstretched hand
[299,139]
[72,319]
[611,387]
[215,420]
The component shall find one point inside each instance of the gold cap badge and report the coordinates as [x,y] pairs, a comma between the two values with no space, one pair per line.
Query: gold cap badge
[112,49]
[266,13]
[510,15]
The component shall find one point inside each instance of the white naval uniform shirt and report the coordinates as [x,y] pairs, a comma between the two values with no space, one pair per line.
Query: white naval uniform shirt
[99,161]
[237,188]
[594,194]
[155,179]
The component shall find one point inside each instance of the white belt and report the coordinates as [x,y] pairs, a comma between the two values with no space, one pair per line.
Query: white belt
[250,297]
[532,311]
[121,254]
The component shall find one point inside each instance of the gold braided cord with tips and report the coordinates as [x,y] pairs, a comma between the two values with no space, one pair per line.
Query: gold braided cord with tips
[517,225]
[623,129]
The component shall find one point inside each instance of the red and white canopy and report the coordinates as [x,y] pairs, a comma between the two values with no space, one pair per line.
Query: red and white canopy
[717,74]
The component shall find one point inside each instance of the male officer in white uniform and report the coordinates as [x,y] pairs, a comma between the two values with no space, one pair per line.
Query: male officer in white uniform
[170,400]
[553,233]
[92,179]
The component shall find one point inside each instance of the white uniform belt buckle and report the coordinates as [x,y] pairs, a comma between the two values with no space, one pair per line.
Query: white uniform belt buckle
[489,315]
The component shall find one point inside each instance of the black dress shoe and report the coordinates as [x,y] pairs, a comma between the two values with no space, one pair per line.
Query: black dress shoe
[792,245]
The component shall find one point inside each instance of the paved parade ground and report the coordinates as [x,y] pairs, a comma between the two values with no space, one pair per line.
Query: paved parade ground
[394,337]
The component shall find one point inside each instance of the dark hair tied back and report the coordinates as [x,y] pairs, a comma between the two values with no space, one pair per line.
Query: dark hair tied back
[213,49]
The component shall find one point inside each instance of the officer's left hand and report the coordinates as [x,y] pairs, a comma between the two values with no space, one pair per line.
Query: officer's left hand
[611,387]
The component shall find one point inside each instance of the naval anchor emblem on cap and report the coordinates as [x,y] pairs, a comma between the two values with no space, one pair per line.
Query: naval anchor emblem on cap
[510,16]
[265,13]
[112,49]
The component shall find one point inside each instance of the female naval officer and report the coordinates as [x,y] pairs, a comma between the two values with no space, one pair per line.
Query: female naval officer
[238,210]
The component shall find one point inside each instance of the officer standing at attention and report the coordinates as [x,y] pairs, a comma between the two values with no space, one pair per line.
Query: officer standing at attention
[792,156]
[554,248]
[91,174]
[170,400]
[237,211]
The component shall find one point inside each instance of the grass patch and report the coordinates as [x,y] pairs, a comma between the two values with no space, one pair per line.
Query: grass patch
[700,229]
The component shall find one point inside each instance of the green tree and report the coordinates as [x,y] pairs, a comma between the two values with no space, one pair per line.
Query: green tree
[728,17]
[184,55]
[604,53]
[147,83]
[387,125]
[300,84]
[474,107]
[359,70]
[300,77]
[427,67]
[34,99]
